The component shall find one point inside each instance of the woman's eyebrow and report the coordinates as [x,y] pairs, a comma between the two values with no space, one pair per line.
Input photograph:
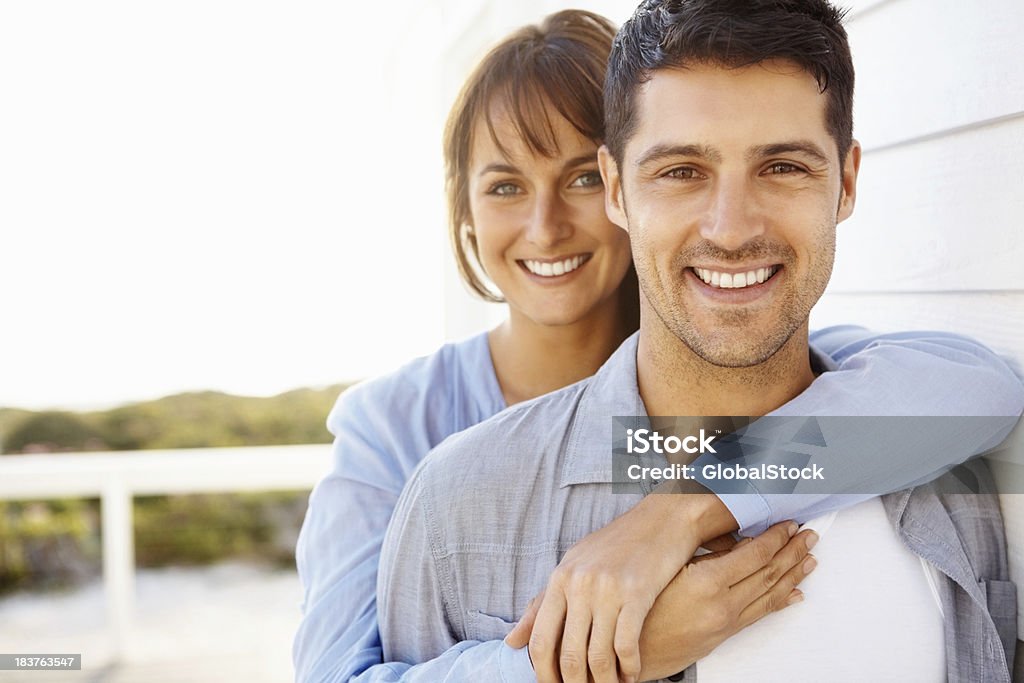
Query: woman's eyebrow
[505,167]
[588,158]
[498,167]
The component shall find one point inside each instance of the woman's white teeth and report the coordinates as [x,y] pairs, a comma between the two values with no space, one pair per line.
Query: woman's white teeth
[735,280]
[548,269]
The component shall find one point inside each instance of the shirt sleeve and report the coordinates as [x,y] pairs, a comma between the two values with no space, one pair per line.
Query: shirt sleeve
[900,374]
[339,552]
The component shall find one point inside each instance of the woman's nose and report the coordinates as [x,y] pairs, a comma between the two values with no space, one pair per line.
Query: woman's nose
[549,221]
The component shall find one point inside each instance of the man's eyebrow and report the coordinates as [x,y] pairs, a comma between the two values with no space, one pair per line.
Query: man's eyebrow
[659,152]
[801,146]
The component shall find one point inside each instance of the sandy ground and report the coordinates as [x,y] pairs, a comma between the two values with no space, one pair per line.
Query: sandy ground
[228,622]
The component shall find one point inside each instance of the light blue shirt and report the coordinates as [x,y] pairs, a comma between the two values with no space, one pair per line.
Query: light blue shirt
[490,513]
[384,428]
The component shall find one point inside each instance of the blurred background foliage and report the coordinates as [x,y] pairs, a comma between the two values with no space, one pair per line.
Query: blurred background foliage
[56,543]
[192,420]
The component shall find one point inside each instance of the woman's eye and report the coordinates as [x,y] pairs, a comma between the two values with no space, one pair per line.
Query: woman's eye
[503,189]
[588,179]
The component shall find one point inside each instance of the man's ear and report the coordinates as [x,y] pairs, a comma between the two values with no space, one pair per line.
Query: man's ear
[614,205]
[848,192]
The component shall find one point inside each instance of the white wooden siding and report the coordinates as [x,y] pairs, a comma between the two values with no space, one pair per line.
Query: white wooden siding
[937,239]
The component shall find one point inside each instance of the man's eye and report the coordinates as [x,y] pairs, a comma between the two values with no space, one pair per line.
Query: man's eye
[683,173]
[588,179]
[503,189]
[783,168]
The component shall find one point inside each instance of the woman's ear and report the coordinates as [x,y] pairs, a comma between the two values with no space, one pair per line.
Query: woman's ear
[614,205]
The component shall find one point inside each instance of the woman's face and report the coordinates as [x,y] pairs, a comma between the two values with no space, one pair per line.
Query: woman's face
[541,229]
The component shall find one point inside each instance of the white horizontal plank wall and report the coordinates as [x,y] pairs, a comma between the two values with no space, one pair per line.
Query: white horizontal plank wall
[937,238]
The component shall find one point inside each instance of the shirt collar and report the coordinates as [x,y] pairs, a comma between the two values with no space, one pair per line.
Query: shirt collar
[613,392]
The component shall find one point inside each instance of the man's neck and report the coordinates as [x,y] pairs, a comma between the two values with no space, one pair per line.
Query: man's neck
[673,380]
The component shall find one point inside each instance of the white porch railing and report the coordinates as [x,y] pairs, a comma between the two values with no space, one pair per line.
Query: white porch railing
[116,478]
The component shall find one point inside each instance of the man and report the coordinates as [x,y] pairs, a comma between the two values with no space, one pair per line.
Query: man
[729,153]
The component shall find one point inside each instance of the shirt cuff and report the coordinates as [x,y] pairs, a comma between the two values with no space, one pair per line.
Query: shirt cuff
[750,510]
[747,505]
[515,665]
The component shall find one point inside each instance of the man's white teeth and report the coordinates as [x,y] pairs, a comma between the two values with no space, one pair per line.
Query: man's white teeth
[548,269]
[735,280]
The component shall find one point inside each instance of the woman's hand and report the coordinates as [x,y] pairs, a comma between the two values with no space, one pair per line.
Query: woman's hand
[718,595]
[602,635]
[593,608]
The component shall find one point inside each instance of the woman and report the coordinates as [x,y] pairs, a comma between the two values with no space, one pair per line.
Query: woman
[528,227]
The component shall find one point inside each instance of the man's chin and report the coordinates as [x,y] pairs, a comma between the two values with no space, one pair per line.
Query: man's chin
[735,351]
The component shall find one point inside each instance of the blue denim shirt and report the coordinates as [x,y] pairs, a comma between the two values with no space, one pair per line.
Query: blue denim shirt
[384,427]
[489,513]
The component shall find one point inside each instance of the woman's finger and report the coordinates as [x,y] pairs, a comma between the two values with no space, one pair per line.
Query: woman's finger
[519,636]
[627,640]
[546,636]
[751,557]
[572,654]
[764,579]
[601,658]
[720,543]
[782,594]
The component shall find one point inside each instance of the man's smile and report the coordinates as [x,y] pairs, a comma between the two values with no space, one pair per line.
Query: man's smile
[735,286]
[728,279]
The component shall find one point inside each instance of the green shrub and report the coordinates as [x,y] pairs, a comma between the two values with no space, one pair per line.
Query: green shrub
[47,544]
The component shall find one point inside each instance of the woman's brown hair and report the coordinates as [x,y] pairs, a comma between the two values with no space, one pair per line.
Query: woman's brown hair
[559,63]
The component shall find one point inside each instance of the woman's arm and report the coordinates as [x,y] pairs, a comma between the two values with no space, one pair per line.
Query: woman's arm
[380,436]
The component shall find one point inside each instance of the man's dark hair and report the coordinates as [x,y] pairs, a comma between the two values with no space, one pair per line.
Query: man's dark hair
[732,33]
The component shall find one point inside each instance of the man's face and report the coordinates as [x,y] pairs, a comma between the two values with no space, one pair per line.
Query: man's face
[731,188]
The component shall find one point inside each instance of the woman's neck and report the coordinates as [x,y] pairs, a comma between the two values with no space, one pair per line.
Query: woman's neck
[531,359]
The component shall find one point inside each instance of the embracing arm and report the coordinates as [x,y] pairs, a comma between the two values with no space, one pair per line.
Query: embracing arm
[338,554]
[898,374]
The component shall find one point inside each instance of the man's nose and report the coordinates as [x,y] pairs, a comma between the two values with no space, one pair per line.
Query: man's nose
[733,215]
[549,222]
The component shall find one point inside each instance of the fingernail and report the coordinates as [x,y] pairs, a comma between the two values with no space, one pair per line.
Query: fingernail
[812,540]
[792,529]
[809,564]
[795,598]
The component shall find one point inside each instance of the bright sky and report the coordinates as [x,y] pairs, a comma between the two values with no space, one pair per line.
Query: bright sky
[214,194]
